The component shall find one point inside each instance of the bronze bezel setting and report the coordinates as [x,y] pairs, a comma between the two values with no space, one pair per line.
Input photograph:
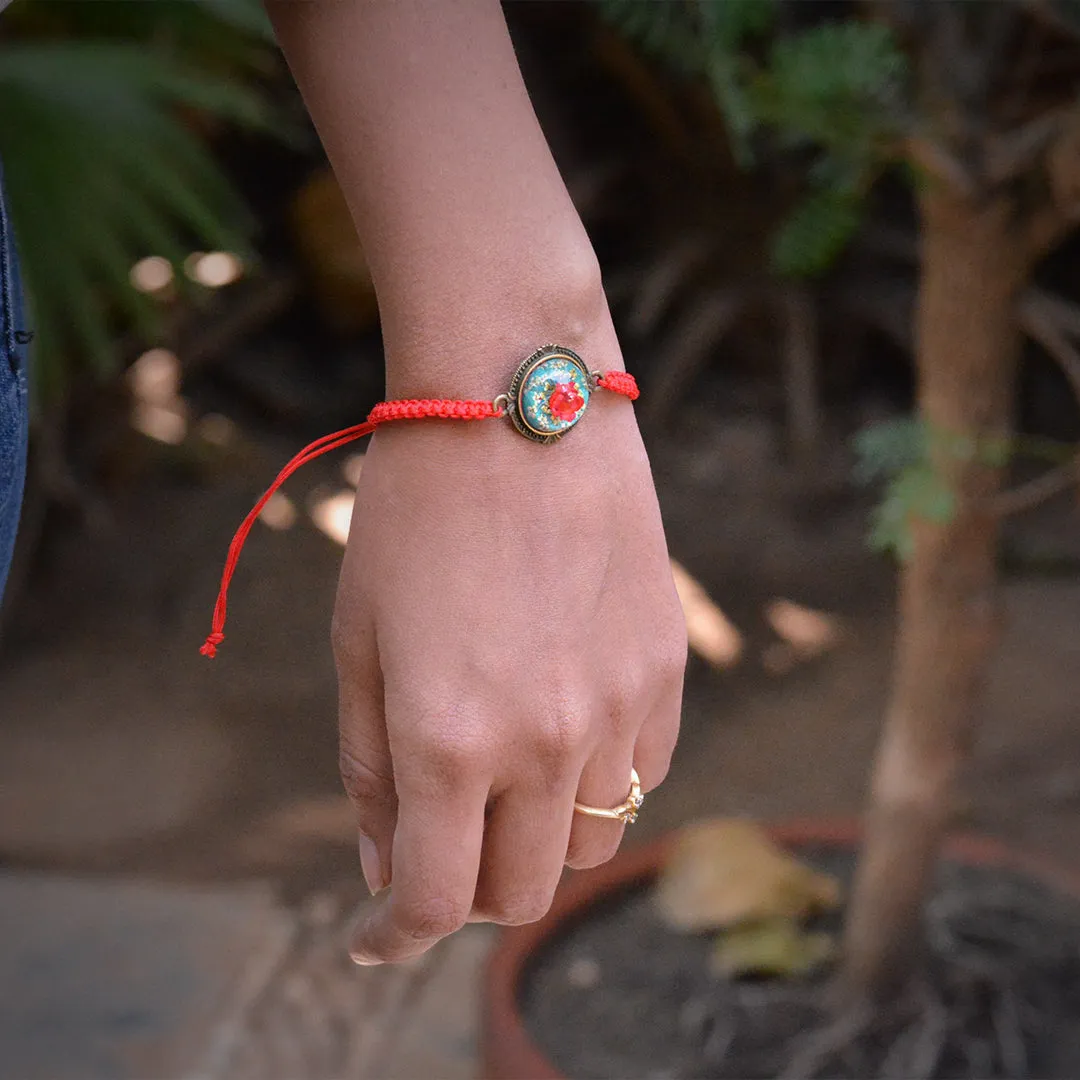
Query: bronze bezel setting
[517,385]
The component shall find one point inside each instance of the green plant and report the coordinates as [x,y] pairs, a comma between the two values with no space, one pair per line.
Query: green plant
[898,453]
[102,165]
[901,455]
[992,146]
[830,96]
[702,39]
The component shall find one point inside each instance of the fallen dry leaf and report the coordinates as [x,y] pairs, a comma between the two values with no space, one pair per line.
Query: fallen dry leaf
[808,632]
[728,871]
[775,946]
[710,632]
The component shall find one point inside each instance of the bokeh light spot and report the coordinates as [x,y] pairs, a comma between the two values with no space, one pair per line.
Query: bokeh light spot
[351,468]
[279,513]
[164,423]
[213,269]
[710,632]
[332,514]
[152,274]
[217,430]
[155,377]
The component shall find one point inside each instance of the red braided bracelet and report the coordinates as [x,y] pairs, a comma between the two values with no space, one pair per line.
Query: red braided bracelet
[547,397]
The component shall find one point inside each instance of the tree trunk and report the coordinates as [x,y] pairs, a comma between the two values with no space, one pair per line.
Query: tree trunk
[973,263]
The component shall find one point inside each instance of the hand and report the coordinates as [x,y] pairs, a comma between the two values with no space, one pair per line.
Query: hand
[508,640]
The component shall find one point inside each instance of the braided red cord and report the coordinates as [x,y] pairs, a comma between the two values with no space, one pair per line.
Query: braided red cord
[386,411]
[444,409]
[620,382]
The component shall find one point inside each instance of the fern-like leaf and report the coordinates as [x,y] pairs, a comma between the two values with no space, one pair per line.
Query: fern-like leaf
[100,170]
[815,233]
[667,31]
[885,449]
[702,37]
[917,493]
[839,85]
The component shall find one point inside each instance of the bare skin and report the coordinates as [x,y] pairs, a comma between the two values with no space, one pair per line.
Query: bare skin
[507,634]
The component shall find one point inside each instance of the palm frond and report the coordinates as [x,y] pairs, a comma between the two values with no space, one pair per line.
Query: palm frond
[101,170]
[246,16]
[220,35]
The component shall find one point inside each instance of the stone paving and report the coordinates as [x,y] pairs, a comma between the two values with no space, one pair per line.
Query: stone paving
[106,980]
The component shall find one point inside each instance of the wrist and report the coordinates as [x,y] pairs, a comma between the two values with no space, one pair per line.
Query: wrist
[466,338]
[489,459]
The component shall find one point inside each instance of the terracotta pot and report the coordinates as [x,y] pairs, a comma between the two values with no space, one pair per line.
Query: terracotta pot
[508,1051]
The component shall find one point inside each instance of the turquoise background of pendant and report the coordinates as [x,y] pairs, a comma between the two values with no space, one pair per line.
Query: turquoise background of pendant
[535,391]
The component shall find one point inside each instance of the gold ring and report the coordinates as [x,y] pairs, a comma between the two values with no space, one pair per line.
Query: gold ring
[626,811]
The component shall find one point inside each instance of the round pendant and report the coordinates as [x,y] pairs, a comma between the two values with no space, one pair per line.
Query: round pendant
[549,393]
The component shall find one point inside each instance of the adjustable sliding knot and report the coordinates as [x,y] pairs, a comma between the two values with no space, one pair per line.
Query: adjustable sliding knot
[548,396]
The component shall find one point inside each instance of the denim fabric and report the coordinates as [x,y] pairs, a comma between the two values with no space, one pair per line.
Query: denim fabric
[13,395]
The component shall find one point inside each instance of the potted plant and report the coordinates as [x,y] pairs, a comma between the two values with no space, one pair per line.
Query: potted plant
[993,149]
[629,976]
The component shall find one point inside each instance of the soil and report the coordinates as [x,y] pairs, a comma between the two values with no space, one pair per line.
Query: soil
[618,994]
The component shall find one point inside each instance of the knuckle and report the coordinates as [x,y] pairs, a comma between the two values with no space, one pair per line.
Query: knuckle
[633,690]
[449,741]
[451,757]
[671,653]
[656,771]
[655,748]
[431,917]
[560,735]
[519,910]
[626,695]
[439,757]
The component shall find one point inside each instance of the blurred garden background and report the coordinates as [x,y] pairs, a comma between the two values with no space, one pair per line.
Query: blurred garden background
[837,239]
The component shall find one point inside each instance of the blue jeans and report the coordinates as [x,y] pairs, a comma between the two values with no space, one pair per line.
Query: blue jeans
[14,341]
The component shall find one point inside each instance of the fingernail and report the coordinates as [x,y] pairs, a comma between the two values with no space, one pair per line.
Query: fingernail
[371,865]
[357,953]
[362,960]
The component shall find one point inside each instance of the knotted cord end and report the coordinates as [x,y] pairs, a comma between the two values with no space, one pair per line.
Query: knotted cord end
[209,646]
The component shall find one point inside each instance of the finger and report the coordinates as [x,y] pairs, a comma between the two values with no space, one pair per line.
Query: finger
[364,754]
[657,737]
[605,782]
[523,854]
[436,861]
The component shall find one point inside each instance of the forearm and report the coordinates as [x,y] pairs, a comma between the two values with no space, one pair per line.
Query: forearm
[464,566]
[476,251]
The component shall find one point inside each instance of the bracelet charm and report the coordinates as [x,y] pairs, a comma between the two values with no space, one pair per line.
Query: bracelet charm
[549,393]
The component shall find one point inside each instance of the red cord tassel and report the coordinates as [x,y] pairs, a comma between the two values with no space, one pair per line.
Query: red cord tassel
[411,409]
